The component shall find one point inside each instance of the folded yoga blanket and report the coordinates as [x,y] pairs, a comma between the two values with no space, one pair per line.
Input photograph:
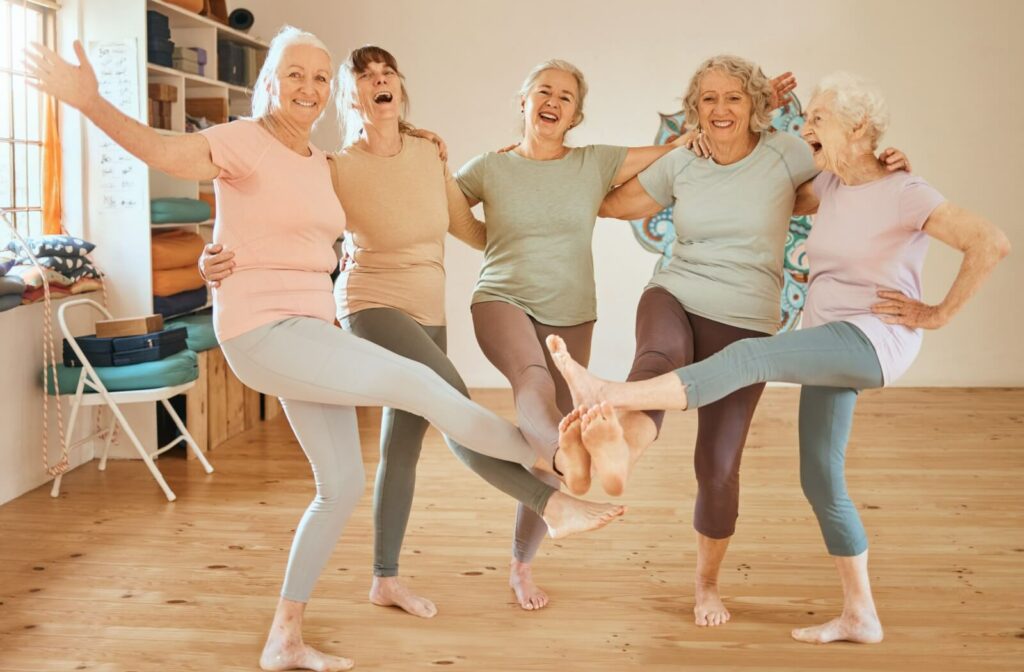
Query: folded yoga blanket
[176,249]
[178,210]
[176,280]
[178,304]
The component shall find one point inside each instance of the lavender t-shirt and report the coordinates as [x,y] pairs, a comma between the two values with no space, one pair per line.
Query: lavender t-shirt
[865,238]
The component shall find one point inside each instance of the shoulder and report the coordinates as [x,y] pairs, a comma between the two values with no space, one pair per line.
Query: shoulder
[787,144]
[247,130]
[478,163]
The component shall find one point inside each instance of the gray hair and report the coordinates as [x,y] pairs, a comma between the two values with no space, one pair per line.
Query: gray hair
[755,84]
[263,89]
[564,66]
[857,100]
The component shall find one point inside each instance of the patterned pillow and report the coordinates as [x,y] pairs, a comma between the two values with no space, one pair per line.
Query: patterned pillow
[34,280]
[54,246]
[7,259]
[71,267]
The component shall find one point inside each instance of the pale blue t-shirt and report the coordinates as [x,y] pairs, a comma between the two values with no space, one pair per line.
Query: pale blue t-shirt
[731,224]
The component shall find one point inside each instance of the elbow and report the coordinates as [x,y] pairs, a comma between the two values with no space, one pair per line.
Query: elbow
[1002,246]
[604,210]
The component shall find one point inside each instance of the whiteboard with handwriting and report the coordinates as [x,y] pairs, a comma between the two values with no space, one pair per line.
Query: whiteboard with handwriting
[119,178]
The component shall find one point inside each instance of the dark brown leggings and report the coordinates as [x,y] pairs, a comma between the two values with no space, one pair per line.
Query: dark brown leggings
[667,338]
[514,343]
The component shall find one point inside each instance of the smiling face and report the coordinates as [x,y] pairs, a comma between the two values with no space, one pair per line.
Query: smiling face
[723,107]
[378,94]
[303,84]
[826,132]
[551,106]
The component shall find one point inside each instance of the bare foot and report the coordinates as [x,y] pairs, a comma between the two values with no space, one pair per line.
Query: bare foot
[387,591]
[585,388]
[863,627]
[572,458]
[528,594]
[295,655]
[708,609]
[565,515]
[604,440]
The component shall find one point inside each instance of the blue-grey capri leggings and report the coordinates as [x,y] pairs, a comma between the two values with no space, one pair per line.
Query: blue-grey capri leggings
[321,373]
[832,362]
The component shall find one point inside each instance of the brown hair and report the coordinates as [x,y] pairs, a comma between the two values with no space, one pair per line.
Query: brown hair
[356,64]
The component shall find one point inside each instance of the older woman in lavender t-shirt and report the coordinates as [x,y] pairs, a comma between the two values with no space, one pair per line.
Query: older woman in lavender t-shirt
[862,324]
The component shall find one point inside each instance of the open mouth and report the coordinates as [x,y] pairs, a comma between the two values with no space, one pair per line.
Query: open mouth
[815,147]
[722,124]
[305,103]
[383,97]
[548,117]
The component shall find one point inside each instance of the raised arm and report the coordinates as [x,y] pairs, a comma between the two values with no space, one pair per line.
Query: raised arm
[638,158]
[184,156]
[630,201]
[983,246]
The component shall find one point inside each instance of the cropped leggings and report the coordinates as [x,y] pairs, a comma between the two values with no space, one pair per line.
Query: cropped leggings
[321,373]
[667,337]
[514,342]
[401,436]
[832,362]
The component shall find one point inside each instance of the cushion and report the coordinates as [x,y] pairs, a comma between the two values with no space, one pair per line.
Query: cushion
[11,285]
[70,267]
[7,259]
[200,331]
[176,280]
[34,279]
[34,295]
[176,249]
[174,370]
[178,304]
[54,246]
[178,210]
[9,301]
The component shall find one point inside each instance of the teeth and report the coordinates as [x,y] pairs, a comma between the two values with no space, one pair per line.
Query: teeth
[549,117]
[722,124]
[304,103]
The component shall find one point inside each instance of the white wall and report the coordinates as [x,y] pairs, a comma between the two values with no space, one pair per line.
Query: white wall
[951,71]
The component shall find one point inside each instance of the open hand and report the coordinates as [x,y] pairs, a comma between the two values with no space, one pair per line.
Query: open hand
[442,148]
[695,141]
[893,160]
[76,85]
[898,308]
[782,86]
[215,264]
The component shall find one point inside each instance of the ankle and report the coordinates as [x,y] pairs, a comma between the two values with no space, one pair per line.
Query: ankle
[706,583]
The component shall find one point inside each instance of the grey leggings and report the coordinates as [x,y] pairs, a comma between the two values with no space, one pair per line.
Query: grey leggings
[321,372]
[401,436]
[832,362]
[514,342]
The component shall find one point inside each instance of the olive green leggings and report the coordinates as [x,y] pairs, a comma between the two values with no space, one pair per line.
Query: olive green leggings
[401,436]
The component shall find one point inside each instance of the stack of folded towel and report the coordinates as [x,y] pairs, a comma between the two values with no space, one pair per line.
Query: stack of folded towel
[177,286]
[178,211]
[11,287]
[64,262]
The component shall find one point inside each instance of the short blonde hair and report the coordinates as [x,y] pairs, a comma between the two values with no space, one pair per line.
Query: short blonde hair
[350,119]
[755,84]
[263,89]
[564,66]
[856,99]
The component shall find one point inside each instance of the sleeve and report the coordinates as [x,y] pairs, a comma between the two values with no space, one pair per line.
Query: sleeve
[461,222]
[659,178]
[918,200]
[236,147]
[609,159]
[799,160]
[471,177]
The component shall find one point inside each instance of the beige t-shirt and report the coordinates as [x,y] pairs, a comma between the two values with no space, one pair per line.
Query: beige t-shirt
[398,210]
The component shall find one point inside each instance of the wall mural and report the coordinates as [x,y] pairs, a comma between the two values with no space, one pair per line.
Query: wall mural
[657,234]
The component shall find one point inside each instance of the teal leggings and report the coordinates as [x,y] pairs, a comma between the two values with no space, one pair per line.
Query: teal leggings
[832,362]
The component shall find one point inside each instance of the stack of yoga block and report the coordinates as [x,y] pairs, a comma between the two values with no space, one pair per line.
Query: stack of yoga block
[177,286]
[160,98]
[65,267]
[160,47]
[237,63]
[191,60]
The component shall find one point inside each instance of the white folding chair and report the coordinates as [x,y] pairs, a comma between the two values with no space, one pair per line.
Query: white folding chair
[92,392]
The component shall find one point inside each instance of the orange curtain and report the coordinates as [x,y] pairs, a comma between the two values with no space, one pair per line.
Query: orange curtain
[52,215]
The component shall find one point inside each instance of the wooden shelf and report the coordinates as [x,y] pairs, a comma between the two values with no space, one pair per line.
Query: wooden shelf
[181,18]
[179,225]
[195,81]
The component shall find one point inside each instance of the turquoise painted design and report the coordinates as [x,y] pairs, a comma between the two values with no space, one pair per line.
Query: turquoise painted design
[657,234]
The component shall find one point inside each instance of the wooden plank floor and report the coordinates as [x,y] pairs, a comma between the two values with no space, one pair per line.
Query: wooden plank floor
[112,577]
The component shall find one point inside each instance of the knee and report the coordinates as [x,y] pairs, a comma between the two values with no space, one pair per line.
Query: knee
[819,484]
[341,493]
[717,476]
[654,362]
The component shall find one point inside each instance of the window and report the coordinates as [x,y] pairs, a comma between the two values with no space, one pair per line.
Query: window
[21,113]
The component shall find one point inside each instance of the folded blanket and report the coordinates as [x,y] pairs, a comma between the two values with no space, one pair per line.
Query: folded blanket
[7,259]
[86,285]
[176,280]
[9,301]
[176,249]
[33,295]
[200,331]
[178,210]
[69,267]
[11,286]
[53,246]
[180,303]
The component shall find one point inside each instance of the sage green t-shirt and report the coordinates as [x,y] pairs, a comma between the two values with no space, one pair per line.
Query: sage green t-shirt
[540,226]
[731,224]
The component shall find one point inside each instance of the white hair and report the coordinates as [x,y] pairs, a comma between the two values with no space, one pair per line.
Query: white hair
[563,66]
[856,100]
[263,99]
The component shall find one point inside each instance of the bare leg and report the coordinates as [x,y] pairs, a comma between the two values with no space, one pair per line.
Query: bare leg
[285,649]
[708,609]
[859,620]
